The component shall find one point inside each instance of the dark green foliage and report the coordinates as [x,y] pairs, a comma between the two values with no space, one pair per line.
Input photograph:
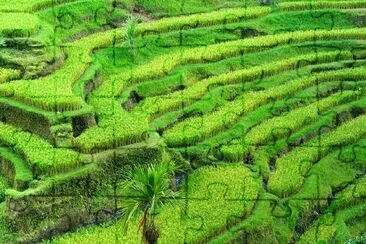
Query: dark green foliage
[3,187]
[358,240]
[2,41]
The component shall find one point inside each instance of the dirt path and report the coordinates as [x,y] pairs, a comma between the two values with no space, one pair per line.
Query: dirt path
[143,14]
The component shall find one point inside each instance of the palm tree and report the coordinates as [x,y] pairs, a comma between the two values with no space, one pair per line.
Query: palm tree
[147,189]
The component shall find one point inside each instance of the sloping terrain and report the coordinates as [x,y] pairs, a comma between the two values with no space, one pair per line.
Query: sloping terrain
[261,106]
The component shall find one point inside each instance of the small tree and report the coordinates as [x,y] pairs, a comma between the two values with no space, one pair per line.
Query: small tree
[130,33]
[147,189]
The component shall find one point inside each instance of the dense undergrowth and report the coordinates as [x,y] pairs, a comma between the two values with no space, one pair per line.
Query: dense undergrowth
[261,107]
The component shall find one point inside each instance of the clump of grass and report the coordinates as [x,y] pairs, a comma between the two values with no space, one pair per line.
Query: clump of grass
[130,34]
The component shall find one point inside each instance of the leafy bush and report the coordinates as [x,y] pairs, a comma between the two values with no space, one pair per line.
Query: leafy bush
[358,240]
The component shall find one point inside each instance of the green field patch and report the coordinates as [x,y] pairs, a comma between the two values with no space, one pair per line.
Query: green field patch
[28,5]
[41,156]
[193,130]
[18,24]
[290,169]
[186,96]
[15,169]
[303,5]
[232,141]
[79,57]
[210,188]
[8,74]
[79,18]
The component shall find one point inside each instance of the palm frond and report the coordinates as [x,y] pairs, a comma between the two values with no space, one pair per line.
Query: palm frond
[129,214]
[148,187]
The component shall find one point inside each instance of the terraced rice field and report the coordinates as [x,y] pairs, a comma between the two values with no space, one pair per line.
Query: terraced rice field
[259,110]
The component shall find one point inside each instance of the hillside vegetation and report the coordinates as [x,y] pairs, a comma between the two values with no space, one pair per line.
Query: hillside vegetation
[260,107]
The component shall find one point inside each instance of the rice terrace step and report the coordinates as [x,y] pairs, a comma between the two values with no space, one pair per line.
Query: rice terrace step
[182,121]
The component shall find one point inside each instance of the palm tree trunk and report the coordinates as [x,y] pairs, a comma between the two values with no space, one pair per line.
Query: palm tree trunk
[149,229]
[144,228]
